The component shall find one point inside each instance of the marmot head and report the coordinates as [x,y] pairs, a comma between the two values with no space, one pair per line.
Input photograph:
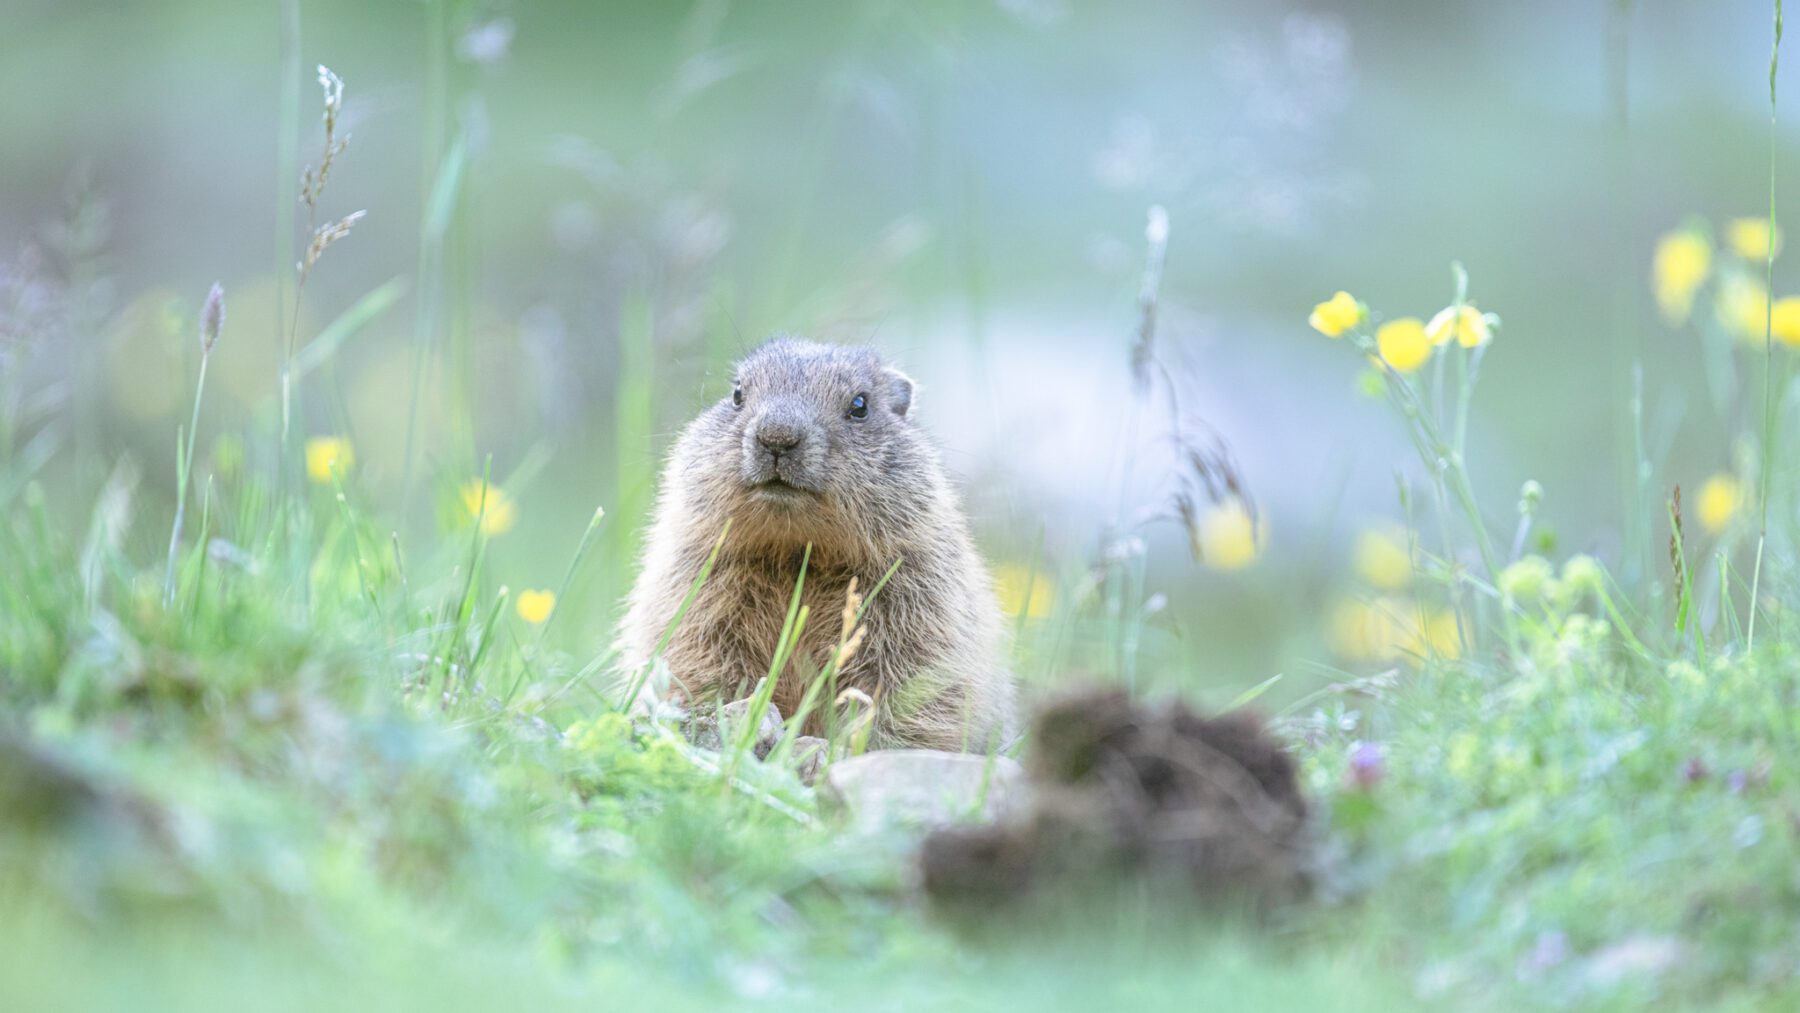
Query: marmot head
[812,444]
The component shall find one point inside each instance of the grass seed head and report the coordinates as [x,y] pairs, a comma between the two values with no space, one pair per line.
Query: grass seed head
[852,605]
[212,318]
[328,234]
[312,183]
[1675,557]
[851,646]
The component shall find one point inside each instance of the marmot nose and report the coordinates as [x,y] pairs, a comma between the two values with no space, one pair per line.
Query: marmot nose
[778,437]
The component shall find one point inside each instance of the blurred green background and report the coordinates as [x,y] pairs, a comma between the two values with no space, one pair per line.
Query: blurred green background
[646,190]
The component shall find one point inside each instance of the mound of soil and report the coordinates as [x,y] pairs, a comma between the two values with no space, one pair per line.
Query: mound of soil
[1126,790]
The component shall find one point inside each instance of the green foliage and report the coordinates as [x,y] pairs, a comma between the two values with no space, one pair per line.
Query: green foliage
[358,750]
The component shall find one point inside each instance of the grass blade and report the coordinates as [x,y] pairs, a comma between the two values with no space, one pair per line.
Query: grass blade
[320,350]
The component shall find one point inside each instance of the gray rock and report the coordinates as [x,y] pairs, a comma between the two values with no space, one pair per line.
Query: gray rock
[809,756]
[921,788]
[719,729]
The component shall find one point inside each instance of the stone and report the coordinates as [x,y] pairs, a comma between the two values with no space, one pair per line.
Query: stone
[809,757]
[920,788]
[719,729]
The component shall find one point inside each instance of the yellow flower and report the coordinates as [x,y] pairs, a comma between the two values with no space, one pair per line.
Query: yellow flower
[1683,259]
[497,514]
[1753,239]
[536,606]
[1336,315]
[1438,636]
[326,454]
[1718,502]
[1464,323]
[1361,631]
[1383,559]
[1390,628]
[1743,307]
[1023,592]
[1785,323]
[1229,539]
[1403,344]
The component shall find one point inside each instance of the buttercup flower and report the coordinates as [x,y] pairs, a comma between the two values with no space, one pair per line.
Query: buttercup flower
[1785,320]
[1365,631]
[1229,539]
[498,513]
[1389,628]
[1437,635]
[1403,344]
[1753,238]
[325,454]
[1382,558]
[1682,261]
[1464,323]
[535,606]
[1718,502]
[1336,315]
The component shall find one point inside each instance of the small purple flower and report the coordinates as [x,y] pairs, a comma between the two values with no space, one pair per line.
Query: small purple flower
[1738,781]
[1694,770]
[1368,765]
[1550,949]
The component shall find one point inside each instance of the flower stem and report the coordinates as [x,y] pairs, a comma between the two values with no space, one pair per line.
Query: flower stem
[1770,365]
[184,461]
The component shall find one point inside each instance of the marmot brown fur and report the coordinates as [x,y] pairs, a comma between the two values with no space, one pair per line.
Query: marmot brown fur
[816,445]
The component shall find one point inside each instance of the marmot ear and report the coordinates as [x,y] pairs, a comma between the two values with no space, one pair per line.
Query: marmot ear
[900,391]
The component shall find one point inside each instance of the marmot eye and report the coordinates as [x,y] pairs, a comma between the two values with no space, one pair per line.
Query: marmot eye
[859,407]
[737,396]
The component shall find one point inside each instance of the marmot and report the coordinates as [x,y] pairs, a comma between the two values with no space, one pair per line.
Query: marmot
[816,445]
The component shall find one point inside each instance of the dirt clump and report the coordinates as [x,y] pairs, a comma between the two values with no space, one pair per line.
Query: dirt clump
[1127,791]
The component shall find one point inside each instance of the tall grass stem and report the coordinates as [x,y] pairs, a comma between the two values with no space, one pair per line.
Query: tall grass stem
[1769,362]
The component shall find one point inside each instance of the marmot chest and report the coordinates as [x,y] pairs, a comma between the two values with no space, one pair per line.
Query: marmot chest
[755,603]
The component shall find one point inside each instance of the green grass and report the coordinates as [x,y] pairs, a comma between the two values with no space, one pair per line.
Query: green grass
[340,790]
[290,795]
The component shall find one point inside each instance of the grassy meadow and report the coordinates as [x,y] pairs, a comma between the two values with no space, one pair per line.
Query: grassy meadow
[1438,408]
